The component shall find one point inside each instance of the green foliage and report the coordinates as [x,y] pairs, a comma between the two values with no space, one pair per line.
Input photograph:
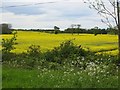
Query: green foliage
[67,49]
[34,50]
[44,78]
[113,31]
[8,44]
[64,51]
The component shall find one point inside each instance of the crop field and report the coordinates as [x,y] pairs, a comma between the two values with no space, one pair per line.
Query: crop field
[46,41]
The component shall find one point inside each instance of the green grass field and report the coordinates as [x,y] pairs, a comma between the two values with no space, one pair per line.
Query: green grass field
[24,78]
[47,41]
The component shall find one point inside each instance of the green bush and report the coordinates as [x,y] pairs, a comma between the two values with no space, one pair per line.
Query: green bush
[67,49]
[64,51]
[34,50]
[8,44]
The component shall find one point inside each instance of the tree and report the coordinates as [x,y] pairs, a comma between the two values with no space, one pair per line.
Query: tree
[78,27]
[56,29]
[109,13]
[113,31]
[6,28]
[95,30]
[72,27]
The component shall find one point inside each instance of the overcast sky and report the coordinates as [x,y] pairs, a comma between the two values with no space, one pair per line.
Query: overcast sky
[62,13]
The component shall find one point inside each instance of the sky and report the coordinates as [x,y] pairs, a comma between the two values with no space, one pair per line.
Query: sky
[49,13]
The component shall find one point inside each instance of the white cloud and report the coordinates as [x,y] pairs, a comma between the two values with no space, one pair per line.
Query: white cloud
[40,21]
[33,0]
[60,14]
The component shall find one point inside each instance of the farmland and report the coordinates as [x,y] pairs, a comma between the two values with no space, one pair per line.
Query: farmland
[60,62]
[49,41]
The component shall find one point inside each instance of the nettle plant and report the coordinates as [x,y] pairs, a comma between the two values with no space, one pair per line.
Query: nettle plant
[8,44]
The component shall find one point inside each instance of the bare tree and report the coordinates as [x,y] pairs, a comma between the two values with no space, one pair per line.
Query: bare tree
[109,10]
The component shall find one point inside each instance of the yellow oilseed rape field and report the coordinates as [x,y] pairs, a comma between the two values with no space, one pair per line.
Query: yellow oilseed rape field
[47,41]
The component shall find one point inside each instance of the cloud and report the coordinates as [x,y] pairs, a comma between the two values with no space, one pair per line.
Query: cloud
[40,21]
[28,0]
[29,10]
[63,13]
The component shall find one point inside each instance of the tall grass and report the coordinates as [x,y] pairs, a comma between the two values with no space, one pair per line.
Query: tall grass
[24,78]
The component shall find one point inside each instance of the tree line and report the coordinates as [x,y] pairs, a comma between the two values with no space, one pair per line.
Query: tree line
[74,29]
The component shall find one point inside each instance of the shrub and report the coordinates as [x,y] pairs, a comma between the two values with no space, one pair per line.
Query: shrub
[8,56]
[7,44]
[30,62]
[67,49]
[34,50]
[64,51]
